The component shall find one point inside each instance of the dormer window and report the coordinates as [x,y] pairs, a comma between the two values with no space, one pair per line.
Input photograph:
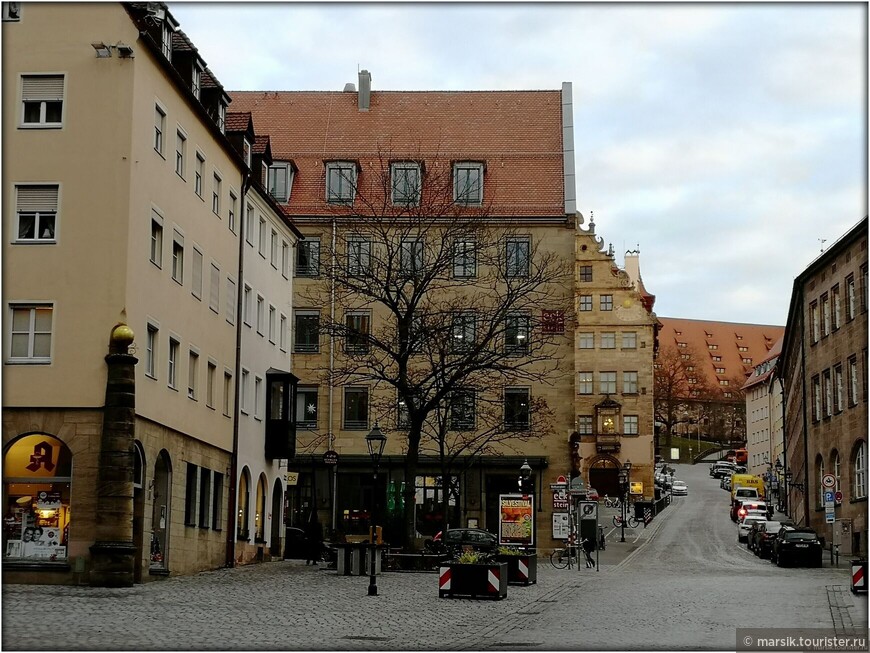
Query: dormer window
[280,181]
[166,44]
[196,81]
[222,116]
[246,152]
[341,182]
[468,183]
[405,183]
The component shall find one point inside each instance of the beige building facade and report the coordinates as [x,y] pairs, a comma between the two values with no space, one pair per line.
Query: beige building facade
[119,102]
[615,342]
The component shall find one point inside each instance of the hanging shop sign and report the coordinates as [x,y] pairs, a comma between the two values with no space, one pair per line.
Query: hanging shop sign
[291,478]
[330,457]
[636,487]
[516,521]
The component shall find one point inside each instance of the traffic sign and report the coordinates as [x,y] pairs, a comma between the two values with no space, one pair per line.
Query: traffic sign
[829,506]
[829,518]
[330,457]
[589,510]
[562,480]
[558,486]
[828,480]
[838,497]
[829,497]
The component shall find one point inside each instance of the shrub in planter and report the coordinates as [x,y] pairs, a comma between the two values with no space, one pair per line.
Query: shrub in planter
[522,565]
[475,575]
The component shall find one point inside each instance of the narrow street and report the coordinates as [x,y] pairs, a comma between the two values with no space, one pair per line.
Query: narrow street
[685,584]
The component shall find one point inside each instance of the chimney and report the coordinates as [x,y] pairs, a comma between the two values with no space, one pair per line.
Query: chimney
[365,90]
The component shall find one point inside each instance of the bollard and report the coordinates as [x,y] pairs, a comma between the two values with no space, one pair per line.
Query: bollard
[859,577]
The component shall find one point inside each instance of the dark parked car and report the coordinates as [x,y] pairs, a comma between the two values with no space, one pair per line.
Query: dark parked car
[477,539]
[765,533]
[799,544]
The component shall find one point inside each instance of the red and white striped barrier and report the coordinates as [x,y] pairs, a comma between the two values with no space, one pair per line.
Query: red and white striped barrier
[493,580]
[859,577]
[522,570]
[444,579]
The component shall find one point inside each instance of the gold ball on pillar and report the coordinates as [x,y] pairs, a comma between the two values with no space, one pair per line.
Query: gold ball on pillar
[122,337]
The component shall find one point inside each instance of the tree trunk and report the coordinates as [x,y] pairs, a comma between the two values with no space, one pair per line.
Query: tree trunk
[411,459]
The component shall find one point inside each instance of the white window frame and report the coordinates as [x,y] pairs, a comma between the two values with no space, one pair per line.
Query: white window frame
[196,273]
[210,376]
[180,151]
[261,313]
[629,382]
[172,362]
[586,340]
[280,169]
[231,211]
[262,237]
[608,340]
[36,201]
[282,332]
[193,374]
[258,397]
[859,469]
[359,256]
[629,340]
[177,257]
[216,189]
[515,267]
[231,300]
[31,308]
[585,382]
[273,313]
[198,174]
[838,388]
[247,305]
[285,259]
[43,97]
[464,258]
[228,393]
[311,247]
[243,392]
[152,343]
[341,182]
[155,254]
[159,129]
[214,296]
[273,249]
[464,191]
[412,256]
[249,223]
[607,384]
[630,425]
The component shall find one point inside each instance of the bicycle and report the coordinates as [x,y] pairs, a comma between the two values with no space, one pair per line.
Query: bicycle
[631,522]
[562,558]
[612,503]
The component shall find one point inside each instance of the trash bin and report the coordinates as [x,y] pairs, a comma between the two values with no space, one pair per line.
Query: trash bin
[859,577]
[348,559]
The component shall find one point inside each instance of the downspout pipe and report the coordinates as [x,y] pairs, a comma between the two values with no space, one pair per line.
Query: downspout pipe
[331,433]
[234,460]
[806,485]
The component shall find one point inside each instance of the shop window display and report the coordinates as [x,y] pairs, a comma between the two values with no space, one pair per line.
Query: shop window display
[37,474]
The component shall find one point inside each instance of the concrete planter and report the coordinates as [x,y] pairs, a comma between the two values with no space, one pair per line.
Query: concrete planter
[478,581]
[522,569]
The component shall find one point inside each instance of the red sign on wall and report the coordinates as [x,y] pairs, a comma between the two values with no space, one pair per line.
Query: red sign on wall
[552,321]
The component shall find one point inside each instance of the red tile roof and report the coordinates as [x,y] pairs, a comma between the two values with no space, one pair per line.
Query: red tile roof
[774,352]
[727,337]
[261,144]
[517,133]
[238,121]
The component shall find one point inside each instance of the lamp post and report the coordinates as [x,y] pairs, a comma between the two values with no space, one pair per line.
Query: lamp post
[777,468]
[786,490]
[525,477]
[375,441]
[623,484]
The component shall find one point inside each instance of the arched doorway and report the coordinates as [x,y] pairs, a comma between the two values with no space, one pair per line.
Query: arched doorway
[160,513]
[37,474]
[138,509]
[260,511]
[277,510]
[604,475]
[243,501]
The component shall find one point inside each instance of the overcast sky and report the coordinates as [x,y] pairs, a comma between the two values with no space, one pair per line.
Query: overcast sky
[725,140]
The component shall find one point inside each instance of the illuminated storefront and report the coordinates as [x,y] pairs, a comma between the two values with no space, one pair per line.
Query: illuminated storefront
[37,475]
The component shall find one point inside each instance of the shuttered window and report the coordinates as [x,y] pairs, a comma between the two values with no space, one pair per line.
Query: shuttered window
[215,289]
[42,100]
[196,274]
[231,301]
[36,212]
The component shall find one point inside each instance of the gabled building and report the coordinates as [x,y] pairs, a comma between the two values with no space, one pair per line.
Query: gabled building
[613,361]
[823,369]
[336,156]
[763,393]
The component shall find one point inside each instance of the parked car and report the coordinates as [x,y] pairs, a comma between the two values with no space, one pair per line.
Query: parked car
[726,483]
[745,525]
[723,468]
[764,535]
[477,539]
[799,544]
[592,494]
[680,488]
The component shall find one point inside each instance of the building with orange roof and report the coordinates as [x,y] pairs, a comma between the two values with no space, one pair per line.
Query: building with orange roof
[716,359]
[508,152]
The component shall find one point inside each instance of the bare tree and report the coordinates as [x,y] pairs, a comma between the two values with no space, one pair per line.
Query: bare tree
[678,381]
[436,298]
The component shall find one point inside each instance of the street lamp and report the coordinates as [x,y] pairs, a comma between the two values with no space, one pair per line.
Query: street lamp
[375,441]
[525,475]
[623,484]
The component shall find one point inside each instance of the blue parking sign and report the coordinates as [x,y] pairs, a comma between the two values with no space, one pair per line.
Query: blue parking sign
[829,496]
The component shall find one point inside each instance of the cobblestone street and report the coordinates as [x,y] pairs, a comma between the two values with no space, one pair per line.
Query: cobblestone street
[684,584]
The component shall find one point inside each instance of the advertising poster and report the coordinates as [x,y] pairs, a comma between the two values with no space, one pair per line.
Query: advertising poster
[516,521]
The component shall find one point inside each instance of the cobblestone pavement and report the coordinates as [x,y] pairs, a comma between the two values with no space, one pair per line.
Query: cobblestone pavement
[683,583]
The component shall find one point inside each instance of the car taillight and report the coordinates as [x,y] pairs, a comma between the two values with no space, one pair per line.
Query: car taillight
[742,512]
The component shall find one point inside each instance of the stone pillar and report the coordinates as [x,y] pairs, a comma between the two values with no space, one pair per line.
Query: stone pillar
[113,552]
